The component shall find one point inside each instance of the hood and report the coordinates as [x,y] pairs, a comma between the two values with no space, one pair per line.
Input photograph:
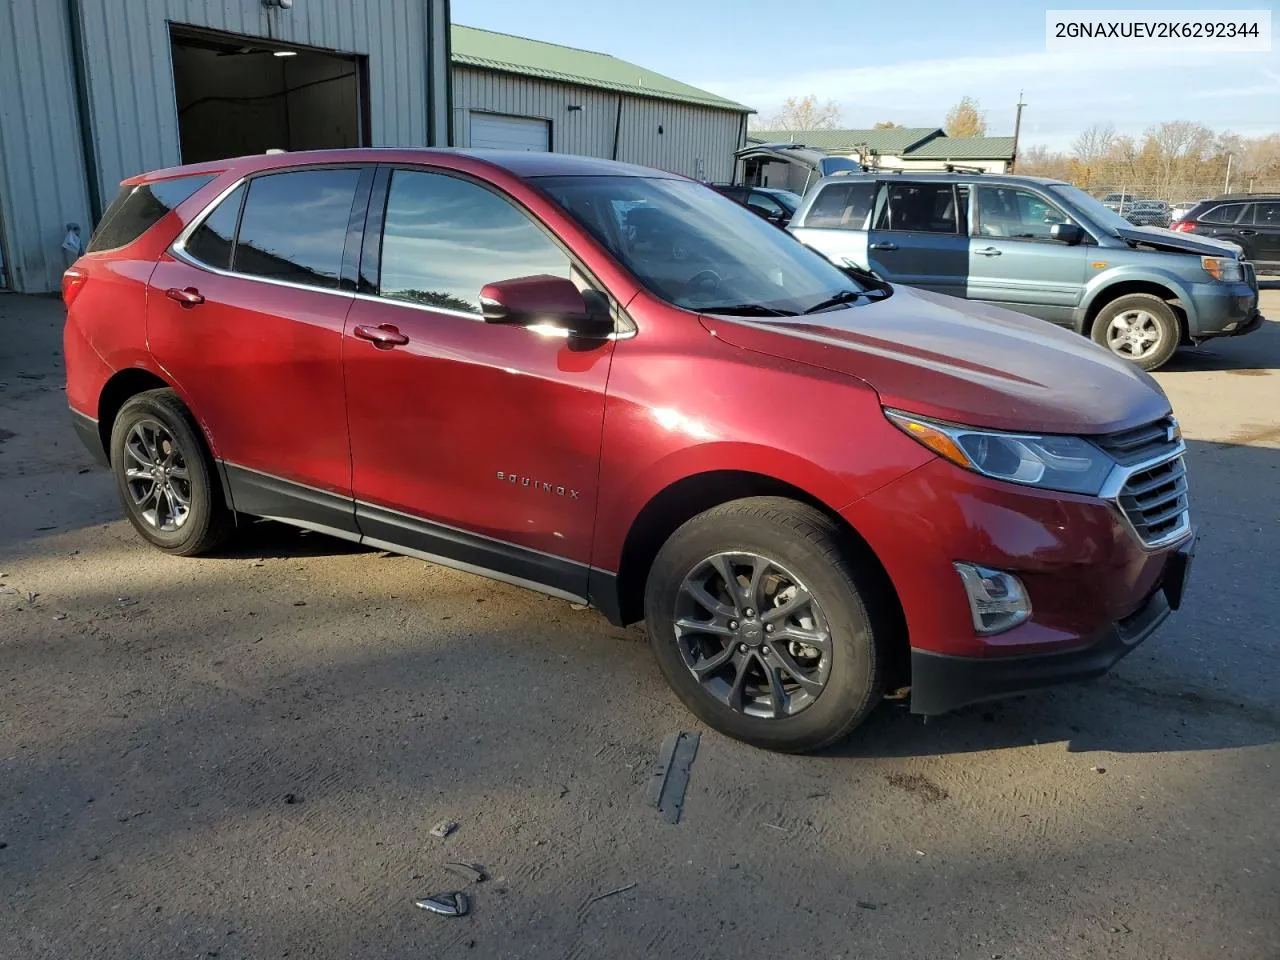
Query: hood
[1176,242]
[963,361]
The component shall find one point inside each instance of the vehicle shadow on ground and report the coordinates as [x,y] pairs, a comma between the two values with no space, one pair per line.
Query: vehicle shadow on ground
[269,540]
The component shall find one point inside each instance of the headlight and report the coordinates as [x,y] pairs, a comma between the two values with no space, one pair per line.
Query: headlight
[1053,462]
[1223,268]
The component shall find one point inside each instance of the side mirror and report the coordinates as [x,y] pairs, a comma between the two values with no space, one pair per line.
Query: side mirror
[552,304]
[1068,233]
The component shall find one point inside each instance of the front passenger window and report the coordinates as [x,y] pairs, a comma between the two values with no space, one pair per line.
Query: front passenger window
[444,238]
[1016,214]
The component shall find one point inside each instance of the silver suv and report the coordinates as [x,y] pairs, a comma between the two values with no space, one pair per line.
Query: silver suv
[1041,247]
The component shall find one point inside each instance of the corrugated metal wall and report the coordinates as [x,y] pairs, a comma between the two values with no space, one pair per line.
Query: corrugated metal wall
[42,182]
[694,141]
[131,105]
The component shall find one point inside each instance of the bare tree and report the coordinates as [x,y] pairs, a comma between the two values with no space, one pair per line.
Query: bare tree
[1094,143]
[965,119]
[887,125]
[806,113]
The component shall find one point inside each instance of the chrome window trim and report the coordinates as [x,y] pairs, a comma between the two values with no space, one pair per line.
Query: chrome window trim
[178,250]
[1114,485]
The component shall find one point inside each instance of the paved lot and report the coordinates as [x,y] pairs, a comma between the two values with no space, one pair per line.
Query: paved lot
[242,756]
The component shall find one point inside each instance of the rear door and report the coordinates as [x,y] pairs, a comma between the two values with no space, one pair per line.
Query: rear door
[1014,262]
[246,316]
[919,235]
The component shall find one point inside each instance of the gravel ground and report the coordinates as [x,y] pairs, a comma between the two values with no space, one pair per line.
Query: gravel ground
[242,757]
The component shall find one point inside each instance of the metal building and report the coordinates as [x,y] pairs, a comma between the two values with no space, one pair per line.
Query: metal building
[521,94]
[92,91]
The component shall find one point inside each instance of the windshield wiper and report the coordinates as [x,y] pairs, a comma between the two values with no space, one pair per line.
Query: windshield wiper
[746,310]
[844,296]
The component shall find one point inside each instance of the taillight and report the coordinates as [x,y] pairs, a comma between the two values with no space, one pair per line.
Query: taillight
[73,281]
[1183,226]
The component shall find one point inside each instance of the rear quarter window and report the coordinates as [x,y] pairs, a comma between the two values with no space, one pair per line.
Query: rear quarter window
[139,207]
[842,205]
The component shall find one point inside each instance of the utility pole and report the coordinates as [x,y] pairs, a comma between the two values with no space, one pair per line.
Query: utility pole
[1226,187]
[1017,129]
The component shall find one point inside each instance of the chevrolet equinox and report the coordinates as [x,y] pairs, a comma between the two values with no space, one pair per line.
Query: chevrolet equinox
[617,387]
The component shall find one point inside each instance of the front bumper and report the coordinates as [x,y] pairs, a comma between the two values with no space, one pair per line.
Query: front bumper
[1216,306]
[942,683]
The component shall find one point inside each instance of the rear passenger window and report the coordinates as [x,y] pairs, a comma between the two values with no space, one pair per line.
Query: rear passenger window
[294,226]
[444,238]
[842,205]
[136,209]
[919,208]
[1223,213]
[210,243]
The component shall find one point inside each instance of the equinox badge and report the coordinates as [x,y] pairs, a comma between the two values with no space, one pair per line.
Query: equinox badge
[533,483]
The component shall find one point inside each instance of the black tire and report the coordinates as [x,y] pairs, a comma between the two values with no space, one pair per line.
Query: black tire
[207,522]
[833,570]
[1165,321]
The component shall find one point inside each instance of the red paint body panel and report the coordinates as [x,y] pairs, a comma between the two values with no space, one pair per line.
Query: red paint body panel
[434,423]
[1081,566]
[437,427]
[261,366]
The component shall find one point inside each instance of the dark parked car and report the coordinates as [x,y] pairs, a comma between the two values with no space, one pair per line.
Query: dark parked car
[1150,213]
[614,386]
[1252,221]
[775,205]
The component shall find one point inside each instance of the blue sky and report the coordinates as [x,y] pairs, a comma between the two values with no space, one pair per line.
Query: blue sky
[909,62]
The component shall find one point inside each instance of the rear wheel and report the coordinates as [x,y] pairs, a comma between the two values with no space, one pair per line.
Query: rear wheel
[165,476]
[1140,328]
[758,615]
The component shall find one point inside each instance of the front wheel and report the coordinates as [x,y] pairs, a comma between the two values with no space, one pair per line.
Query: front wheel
[759,615]
[1140,328]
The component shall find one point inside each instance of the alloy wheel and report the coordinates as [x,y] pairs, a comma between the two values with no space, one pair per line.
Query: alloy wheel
[157,477]
[1134,334]
[753,635]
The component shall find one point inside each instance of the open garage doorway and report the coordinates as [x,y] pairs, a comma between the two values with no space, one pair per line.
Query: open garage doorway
[243,95]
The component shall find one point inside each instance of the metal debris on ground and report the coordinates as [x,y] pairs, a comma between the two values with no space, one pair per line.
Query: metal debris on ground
[470,872]
[453,904]
[671,776]
[444,828]
[601,896]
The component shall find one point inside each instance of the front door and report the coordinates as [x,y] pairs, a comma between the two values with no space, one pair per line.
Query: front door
[473,443]
[249,326]
[919,235]
[1014,263]
[1266,226]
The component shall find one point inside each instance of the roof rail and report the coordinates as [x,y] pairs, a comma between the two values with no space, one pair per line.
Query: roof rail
[961,168]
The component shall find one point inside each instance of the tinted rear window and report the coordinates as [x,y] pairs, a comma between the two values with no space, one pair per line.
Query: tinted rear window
[136,209]
[1223,213]
[294,226]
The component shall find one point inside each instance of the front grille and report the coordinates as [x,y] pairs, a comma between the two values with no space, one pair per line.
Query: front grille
[1139,444]
[1250,275]
[1154,500]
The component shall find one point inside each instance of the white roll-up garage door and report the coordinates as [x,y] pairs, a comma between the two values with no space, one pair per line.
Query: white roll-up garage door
[493,132]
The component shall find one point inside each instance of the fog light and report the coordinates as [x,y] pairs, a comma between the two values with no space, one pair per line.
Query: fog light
[997,600]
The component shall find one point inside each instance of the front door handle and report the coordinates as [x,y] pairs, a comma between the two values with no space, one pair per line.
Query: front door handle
[988,252]
[884,245]
[187,296]
[1247,233]
[384,336]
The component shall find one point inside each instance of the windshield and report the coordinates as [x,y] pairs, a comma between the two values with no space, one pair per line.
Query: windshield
[1090,207]
[693,248]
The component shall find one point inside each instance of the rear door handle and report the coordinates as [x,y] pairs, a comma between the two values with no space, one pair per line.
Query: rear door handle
[384,336]
[988,252]
[187,296]
[884,245]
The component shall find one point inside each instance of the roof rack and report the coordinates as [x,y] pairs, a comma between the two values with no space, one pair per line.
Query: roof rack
[961,168]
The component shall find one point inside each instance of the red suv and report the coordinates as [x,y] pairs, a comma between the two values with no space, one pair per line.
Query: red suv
[618,387]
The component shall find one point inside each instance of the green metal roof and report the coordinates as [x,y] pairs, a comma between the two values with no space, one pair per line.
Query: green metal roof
[550,61]
[965,148]
[893,141]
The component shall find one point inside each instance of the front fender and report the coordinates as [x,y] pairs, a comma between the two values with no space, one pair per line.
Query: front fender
[1098,286]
